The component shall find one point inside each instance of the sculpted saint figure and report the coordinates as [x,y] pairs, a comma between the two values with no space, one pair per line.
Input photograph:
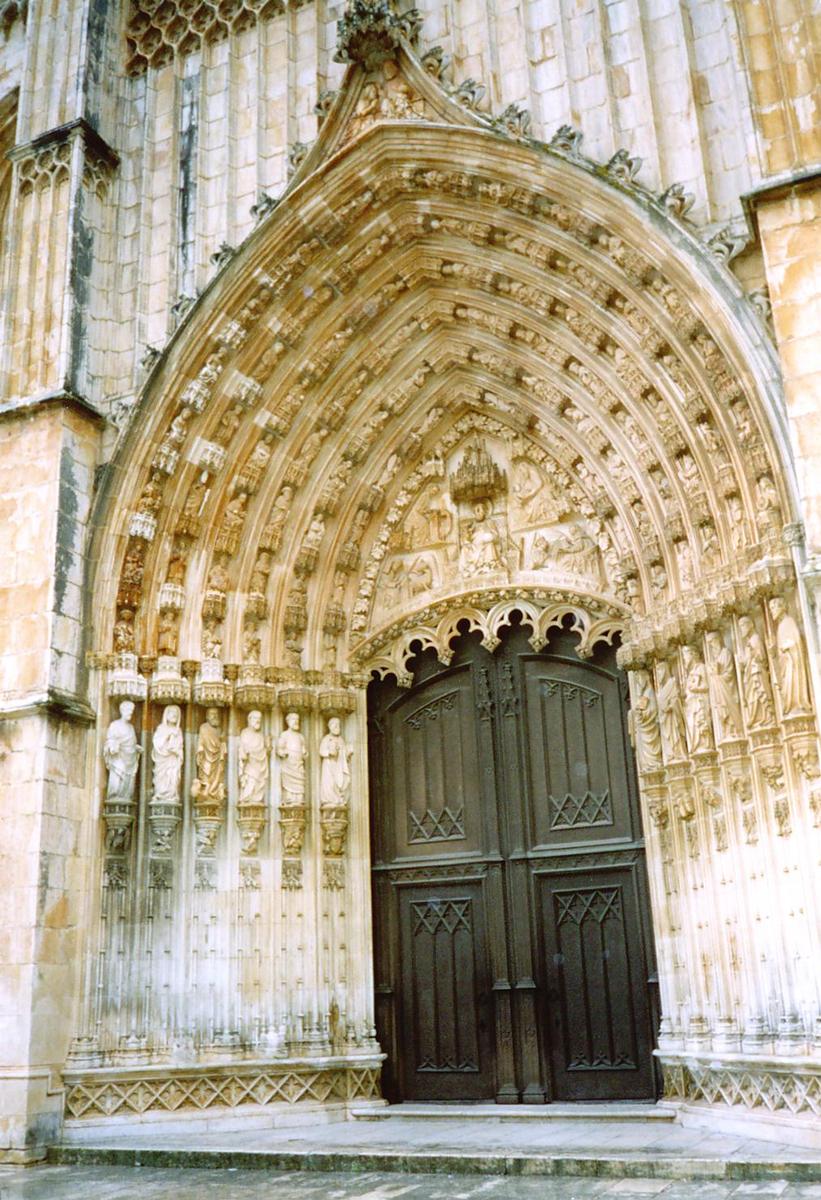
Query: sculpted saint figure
[166,756]
[292,753]
[481,552]
[253,762]
[697,704]
[755,675]
[335,776]
[792,672]
[671,717]
[725,687]
[209,786]
[646,723]
[124,631]
[211,639]
[121,755]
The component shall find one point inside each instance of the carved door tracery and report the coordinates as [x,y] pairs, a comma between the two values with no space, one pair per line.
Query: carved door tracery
[512,931]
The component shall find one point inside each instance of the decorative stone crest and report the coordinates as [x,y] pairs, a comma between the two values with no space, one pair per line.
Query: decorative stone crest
[368,33]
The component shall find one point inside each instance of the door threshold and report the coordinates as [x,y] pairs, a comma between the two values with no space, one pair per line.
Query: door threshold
[587,1110]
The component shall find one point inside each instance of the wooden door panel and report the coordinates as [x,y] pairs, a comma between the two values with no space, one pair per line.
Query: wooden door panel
[432,765]
[499,975]
[445,994]
[577,772]
[596,1011]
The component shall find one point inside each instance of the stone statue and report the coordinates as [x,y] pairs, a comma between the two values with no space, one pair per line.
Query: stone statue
[725,687]
[211,639]
[124,631]
[335,777]
[166,757]
[292,753]
[645,723]
[755,675]
[697,713]
[251,646]
[482,550]
[209,786]
[671,716]
[253,762]
[167,634]
[121,755]
[792,672]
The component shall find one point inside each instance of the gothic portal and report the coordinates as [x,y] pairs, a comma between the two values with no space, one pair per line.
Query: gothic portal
[410,640]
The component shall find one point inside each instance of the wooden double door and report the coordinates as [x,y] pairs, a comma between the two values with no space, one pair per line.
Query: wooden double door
[513,942]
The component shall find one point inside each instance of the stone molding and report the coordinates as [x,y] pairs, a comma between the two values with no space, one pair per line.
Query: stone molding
[112,1093]
[778,1085]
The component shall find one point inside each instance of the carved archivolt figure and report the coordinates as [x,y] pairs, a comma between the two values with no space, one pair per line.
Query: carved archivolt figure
[124,631]
[251,646]
[793,683]
[725,687]
[671,715]
[292,753]
[167,634]
[253,762]
[645,723]
[697,713]
[166,756]
[755,675]
[209,786]
[335,777]
[121,755]
[211,639]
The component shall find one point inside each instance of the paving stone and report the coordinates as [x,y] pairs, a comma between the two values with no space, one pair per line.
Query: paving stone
[147,1183]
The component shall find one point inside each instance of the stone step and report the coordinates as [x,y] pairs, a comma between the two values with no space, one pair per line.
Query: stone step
[615,1111]
[602,1165]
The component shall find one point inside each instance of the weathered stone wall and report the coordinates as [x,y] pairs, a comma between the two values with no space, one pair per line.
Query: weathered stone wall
[47,465]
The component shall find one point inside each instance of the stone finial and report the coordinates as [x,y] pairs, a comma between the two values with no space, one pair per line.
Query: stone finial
[726,244]
[324,103]
[567,140]
[622,167]
[297,154]
[513,121]
[264,205]
[676,200]
[469,93]
[368,33]
[436,62]
[222,255]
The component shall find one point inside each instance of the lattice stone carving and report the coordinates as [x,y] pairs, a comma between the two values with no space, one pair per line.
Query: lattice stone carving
[158,30]
[172,1091]
[738,1084]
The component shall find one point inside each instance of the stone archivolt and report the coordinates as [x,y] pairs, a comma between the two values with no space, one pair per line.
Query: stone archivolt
[438,391]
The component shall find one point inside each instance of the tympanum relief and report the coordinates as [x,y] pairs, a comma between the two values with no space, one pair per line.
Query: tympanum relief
[491,513]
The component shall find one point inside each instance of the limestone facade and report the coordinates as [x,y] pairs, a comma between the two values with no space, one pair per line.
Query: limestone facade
[324,332]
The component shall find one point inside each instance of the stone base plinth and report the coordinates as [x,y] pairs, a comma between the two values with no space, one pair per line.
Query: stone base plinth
[772,1097]
[223,1095]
